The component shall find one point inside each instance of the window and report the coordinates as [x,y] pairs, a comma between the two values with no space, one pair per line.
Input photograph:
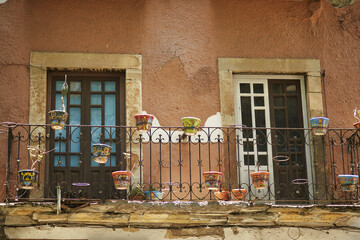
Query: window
[95,99]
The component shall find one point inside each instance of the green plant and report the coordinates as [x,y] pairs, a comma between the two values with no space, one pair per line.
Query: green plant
[137,191]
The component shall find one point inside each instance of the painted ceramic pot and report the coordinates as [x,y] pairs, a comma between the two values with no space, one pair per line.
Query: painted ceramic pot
[260,179]
[357,126]
[154,195]
[101,152]
[144,122]
[190,125]
[238,194]
[223,195]
[319,125]
[348,182]
[121,179]
[213,180]
[58,119]
[28,178]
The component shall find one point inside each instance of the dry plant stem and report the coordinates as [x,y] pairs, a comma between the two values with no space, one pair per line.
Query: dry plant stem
[38,155]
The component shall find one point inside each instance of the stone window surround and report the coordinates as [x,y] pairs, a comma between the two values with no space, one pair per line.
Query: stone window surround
[310,68]
[41,62]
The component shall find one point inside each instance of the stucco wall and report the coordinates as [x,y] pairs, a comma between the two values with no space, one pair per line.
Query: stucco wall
[180,42]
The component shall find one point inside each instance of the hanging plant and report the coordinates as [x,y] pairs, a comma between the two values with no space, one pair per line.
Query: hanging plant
[58,118]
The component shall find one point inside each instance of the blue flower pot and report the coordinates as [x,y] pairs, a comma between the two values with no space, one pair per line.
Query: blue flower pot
[319,125]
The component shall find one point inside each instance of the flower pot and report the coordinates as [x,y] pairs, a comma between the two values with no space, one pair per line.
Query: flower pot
[223,195]
[58,119]
[154,195]
[101,152]
[348,182]
[121,179]
[238,194]
[319,125]
[213,179]
[190,125]
[27,178]
[357,126]
[144,122]
[260,179]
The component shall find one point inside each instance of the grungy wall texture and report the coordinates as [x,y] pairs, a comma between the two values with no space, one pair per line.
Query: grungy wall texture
[180,42]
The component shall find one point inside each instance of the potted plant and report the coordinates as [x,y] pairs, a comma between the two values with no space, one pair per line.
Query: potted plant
[213,180]
[137,193]
[28,177]
[260,179]
[58,117]
[144,122]
[238,194]
[101,152]
[154,194]
[190,125]
[122,179]
[357,117]
[223,195]
[348,182]
[319,125]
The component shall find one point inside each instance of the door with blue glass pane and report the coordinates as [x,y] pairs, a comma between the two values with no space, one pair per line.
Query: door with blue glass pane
[96,104]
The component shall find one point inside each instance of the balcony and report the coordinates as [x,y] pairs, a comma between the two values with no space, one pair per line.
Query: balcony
[303,168]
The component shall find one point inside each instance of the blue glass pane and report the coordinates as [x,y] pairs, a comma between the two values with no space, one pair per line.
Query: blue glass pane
[95,86]
[59,161]
[111,161]
[60,146]
[75,116]
[95,116]
[75,161]
[59,85]
[112,145]
[75,99]
[75,86]
[58,105]
[110,86]
[75,139]
[60,134]
[95,99]
[95,134]
[110,112]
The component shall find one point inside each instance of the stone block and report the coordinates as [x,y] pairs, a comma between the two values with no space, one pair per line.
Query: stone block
[19,220]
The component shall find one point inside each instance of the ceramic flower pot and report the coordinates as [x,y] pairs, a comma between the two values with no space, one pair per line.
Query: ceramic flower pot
[190,125]
[58,119]
[319,125]
[223,195]
[260,179]
[101,152]
[144,122]
[357,126]
[238,194]
[121,179]
[27,178]
[154,195]
[348,182]
[213,180]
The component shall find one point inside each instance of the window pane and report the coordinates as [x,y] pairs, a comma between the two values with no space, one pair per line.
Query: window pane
[260,118]
[75,86]
[261,140]
[59,161]
[111,162]
[75,116]
[246,111]
[292,107]
[278,101]
[249,160]
[110,109]
[244,87]
[95,86]
[262,159]
[59,85]
[280,119]
[75,161]
[75,139]
[95,116]
[291,88]
[259,101]
[110,86]
[75,99]
[248,146]
[58,104]
[258,88]
[60,146]
[278,89]
[95,99]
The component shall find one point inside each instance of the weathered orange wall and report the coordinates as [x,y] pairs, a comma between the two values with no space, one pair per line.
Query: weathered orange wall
[180,42]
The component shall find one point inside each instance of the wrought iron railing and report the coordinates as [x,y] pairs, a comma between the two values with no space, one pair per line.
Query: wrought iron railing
[303,168]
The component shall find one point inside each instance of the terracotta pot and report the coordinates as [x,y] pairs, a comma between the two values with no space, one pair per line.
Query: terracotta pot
[58,119]
[101,152]
[348,182]
[238,194]
[28,178]
[154,195]
[144,122]
[260,179]
[190,125]
[213,180]
[223,195]
[319,125]
[121,179]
